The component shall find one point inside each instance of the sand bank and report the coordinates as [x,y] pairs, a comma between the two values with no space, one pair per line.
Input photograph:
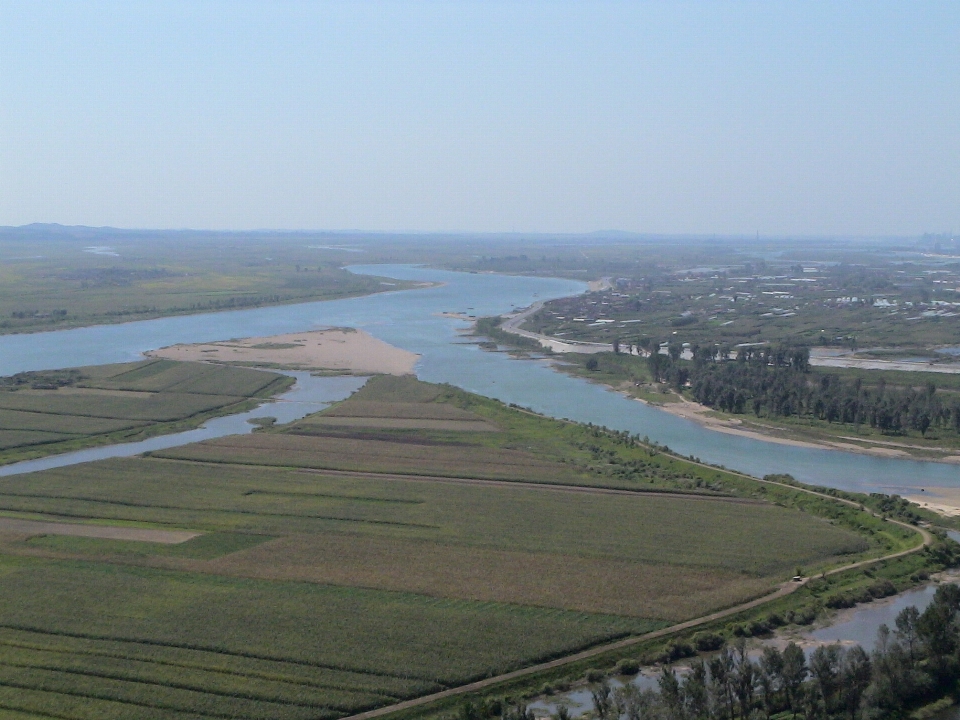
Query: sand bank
[334,349]
[701,414]
[944,500]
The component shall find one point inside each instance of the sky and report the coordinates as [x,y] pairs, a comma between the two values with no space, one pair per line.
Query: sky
[778,118]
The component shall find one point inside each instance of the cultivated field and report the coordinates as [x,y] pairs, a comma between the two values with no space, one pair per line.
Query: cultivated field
[137,275]
[429,558]
[49,412]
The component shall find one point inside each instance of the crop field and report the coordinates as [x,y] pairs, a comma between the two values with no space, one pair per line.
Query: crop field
[95,640]
[158,407]
[399,415]
[744,536]
[54,411]
[360,453]
[317,592]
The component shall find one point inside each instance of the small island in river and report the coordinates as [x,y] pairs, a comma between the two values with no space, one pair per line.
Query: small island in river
[345,350]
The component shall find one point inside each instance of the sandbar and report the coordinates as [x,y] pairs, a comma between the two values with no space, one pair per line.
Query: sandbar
[702,414]
[943,500]
[346,350]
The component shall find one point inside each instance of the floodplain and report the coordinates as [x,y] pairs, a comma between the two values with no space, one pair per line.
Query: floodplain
[346,563]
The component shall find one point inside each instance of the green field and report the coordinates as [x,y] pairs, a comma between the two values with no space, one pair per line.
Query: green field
[50,280]
[56,411]
[317,593]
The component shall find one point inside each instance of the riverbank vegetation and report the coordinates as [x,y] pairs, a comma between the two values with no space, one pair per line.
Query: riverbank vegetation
[48,412]
[412,538]
[765,392]
[915,663]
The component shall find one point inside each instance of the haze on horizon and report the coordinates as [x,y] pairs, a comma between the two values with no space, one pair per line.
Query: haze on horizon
[800,118]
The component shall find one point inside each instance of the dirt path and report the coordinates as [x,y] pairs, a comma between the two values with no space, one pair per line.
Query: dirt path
[783,590]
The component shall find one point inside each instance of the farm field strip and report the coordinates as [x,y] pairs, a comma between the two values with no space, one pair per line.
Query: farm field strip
[542,579]
[405,410]
[159,407]
[197,513]
[661,528]
[405,423]
[546,486]
[211,659]
[34,527]
[463,480]
[281,675]
[63,423]
[374,456]
[47,412]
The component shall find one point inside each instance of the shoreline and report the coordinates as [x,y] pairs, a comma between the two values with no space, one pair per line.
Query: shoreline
[696,412]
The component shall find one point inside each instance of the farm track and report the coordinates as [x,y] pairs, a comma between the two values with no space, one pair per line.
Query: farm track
[785,589]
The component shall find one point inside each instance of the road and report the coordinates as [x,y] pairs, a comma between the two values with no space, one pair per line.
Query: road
[511,324]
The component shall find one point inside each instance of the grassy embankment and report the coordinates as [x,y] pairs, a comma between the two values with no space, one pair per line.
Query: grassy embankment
[412,538]
[47,412]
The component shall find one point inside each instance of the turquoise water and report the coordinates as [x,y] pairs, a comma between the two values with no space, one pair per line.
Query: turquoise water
[409,319]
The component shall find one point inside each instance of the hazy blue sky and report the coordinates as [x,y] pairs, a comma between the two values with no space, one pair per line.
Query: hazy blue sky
[700,117]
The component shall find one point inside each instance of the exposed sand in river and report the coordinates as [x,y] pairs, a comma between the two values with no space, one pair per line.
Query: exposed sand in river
[699,413]
[335,349]
[944,500]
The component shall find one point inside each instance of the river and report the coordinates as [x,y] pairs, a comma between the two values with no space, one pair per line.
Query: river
[410,319]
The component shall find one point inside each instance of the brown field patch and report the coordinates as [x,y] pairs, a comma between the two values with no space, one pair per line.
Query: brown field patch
[485,574]
[106,532]
[94,392]
[411,410]
[406,423]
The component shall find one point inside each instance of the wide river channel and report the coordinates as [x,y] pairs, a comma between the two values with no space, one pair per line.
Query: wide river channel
[411,319]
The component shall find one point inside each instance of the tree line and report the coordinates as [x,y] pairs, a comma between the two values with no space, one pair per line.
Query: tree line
[912,664]
[775,381]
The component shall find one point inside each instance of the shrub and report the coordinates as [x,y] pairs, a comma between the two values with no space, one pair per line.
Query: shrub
[775,620]
[708,641]
[676,650]
[593,675]
[802,616]
[882,589]
[628,666]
